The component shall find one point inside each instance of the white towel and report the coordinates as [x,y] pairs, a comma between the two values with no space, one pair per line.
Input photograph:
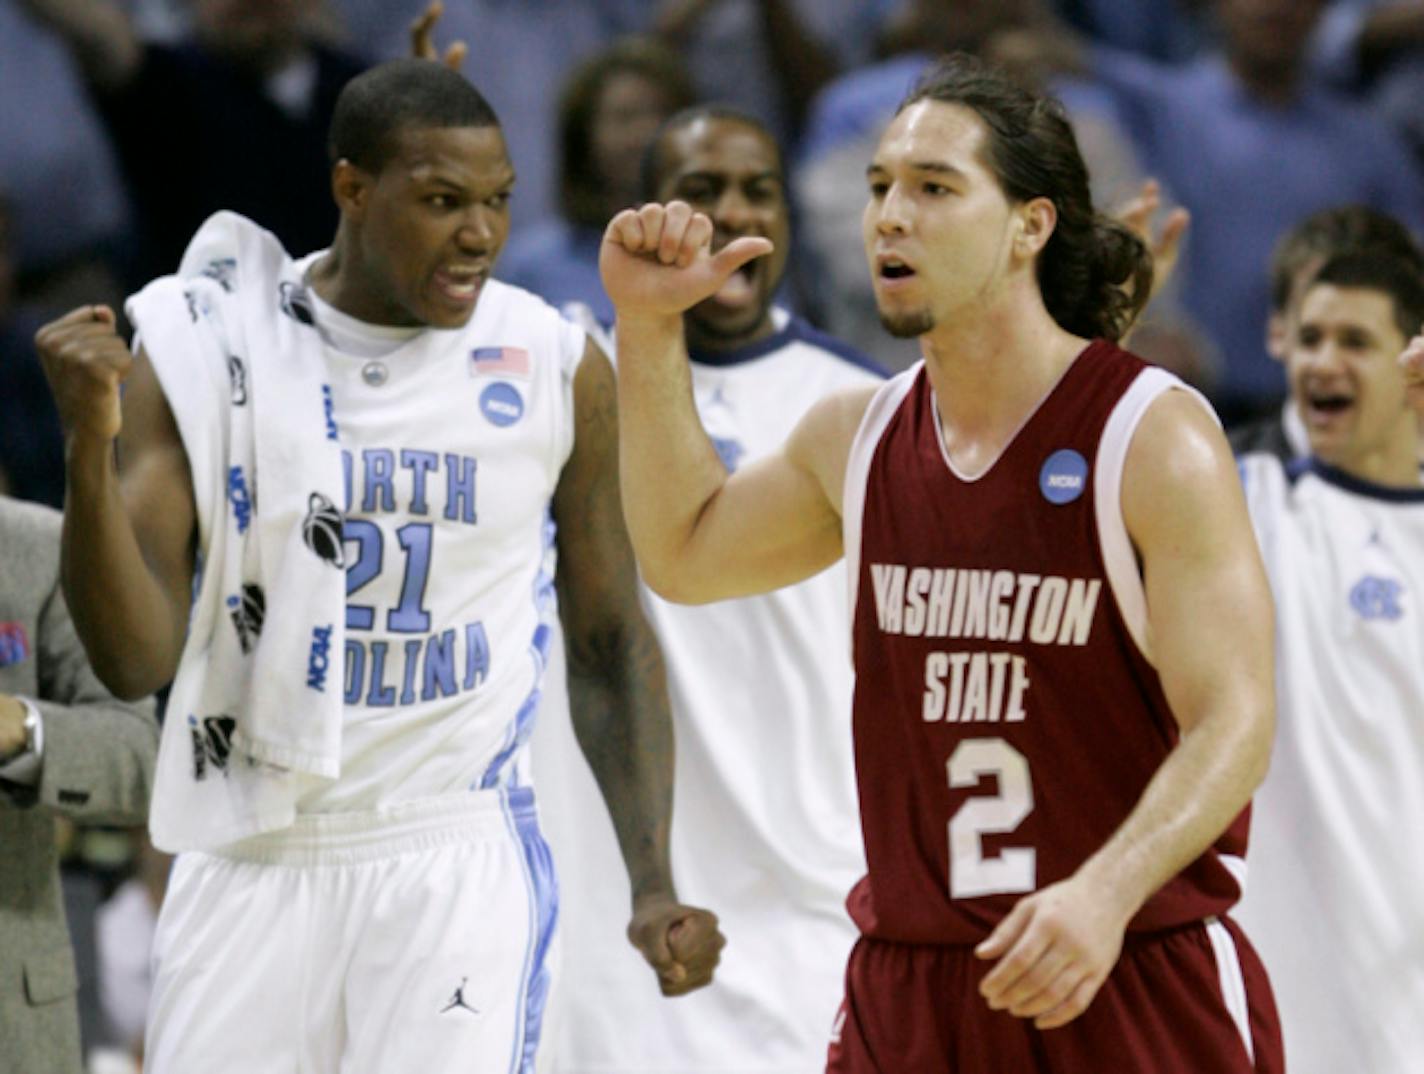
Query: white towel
[258,696]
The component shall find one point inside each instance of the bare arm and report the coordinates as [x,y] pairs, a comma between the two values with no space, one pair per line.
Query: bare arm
[701,535]
[618,689]
[130,527]
[100,35]
[1211,622]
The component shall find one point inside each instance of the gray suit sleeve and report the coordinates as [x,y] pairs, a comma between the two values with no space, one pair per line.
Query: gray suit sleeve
[98,751]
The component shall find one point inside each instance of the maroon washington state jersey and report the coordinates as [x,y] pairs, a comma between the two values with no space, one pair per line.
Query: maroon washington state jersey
[1007,712]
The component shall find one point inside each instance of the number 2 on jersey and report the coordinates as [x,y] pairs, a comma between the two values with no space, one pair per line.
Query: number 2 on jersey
[1013,870]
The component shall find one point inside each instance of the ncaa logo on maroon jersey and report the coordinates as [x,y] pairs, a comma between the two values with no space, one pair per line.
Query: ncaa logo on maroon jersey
[1064,476]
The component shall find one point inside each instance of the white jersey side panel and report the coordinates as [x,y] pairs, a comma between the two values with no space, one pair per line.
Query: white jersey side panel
[453,445]
[1336,868]
[765,823]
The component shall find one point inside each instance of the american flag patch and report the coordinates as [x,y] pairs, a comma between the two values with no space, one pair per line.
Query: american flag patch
[499,362]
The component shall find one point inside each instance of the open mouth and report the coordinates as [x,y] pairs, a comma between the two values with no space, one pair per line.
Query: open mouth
[892,269]
[1323,406]
[740,288]
[460,284]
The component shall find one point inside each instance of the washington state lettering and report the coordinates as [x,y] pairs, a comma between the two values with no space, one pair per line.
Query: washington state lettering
[941,602]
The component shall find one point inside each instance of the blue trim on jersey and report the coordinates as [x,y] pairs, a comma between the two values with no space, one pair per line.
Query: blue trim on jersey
[796,330]
[542,886]
[546,604]
[1359,486]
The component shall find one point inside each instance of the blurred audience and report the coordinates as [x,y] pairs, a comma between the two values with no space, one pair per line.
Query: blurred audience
[125,936]
[1375,48]
[235,118]
[1250,143]
[609,110]
[520,52]
[31,446]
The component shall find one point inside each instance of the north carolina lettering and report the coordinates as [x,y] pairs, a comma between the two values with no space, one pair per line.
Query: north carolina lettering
[943,602]
[387,481]
[381,674]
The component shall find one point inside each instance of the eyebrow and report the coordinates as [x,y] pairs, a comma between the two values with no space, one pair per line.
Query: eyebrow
[936,167]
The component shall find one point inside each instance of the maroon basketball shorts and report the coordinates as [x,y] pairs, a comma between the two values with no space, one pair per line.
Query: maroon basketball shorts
[1193,1000]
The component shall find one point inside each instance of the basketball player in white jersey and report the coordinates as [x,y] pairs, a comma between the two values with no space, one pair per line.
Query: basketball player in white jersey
[1336,869]
[376,897]
[765,826]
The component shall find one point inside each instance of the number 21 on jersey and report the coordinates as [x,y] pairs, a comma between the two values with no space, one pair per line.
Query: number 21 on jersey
[1013,870]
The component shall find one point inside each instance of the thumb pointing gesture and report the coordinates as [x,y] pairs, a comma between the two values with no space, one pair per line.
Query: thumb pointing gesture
[658,260]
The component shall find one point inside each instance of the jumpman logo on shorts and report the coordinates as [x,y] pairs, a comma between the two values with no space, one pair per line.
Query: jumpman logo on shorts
[458,999]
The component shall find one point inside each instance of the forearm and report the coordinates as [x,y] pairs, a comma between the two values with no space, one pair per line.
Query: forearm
[618,700]
[130,626]
[669,470]
[1195,795]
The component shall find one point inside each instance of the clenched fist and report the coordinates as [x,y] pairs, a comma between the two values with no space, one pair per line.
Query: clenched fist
[85,361]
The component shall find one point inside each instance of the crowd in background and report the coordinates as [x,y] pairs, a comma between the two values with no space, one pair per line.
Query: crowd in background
[124,123]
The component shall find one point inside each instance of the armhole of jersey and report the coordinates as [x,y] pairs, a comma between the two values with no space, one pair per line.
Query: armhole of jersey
[1124,577]
[572,343]
[883,405]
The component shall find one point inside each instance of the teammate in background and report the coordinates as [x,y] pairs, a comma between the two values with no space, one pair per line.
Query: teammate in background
[764,820]
[358,848]
[1294,262]
[1335,868]
[1062,631]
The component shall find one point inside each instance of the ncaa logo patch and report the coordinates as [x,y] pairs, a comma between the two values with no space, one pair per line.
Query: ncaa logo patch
[1064,476]
[502,404]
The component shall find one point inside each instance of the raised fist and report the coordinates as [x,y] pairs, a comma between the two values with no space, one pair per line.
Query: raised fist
[85,361]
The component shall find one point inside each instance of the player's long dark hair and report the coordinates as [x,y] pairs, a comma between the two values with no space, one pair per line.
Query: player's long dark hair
[1095,274]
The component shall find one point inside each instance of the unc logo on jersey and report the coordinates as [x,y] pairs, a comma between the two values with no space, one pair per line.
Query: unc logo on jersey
[1064,476]
[729,451]
[328,412]
[247,613]
[295,303]
[1377,598]
[212,743]
[321,530]
[502,404]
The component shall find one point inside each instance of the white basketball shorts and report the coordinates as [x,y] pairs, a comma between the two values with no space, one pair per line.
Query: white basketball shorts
[413,938]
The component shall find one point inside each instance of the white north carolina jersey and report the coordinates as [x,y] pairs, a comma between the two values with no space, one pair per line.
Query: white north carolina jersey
[452,445]
[765,824]
[1335,888]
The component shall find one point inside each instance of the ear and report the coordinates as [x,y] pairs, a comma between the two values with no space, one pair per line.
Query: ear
[1034,226]
[1277,331]
[351,188]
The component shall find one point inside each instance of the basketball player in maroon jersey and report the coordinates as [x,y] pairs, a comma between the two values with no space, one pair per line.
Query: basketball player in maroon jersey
[1062,629]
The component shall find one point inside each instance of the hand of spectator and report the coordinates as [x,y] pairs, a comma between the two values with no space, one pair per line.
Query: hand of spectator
[681,943]
[657,261]
[85,361]
[12,727]
[1139,213]
[1053,953]
[422,39]
[100,34]
[1411,360]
